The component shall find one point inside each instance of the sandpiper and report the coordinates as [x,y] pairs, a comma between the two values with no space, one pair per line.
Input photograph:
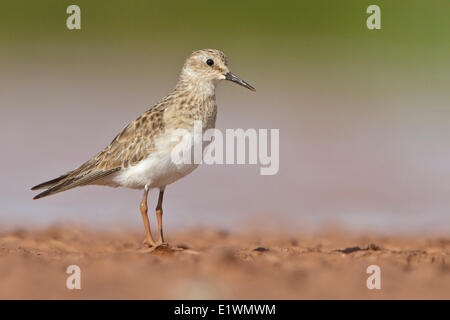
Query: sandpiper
[139,157]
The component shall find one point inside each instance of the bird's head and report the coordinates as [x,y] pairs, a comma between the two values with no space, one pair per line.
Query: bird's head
[207,68]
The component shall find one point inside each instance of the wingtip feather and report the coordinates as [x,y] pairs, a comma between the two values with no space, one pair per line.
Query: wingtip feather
[41,195]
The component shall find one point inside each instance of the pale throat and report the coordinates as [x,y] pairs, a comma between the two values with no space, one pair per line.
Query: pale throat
[197,86]
[204,88]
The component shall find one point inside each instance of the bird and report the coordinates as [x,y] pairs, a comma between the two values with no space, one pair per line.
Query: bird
[140,156]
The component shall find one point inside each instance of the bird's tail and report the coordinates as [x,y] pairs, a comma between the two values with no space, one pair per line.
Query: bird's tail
[52,190]
[71,180]
[50,183]
[53,186]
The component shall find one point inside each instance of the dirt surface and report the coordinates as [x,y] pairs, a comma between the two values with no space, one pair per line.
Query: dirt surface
[209,264]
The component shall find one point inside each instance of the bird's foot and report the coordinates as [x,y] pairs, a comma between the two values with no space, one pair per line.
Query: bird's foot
[163,249]
[149,243]
[161,243]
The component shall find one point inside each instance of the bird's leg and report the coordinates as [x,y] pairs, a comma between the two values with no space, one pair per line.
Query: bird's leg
[159,213]
[148,233]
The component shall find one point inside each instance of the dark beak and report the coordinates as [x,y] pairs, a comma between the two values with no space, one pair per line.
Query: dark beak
[232,77]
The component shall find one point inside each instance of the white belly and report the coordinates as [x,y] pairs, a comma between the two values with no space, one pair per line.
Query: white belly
[159,169]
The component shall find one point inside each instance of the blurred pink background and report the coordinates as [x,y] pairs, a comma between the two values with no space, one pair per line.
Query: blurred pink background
[363,115]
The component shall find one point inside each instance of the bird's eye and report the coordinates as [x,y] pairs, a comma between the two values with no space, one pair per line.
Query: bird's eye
[209,62]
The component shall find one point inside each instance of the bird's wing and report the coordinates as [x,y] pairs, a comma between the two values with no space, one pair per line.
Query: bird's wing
[130,146]
[70,183]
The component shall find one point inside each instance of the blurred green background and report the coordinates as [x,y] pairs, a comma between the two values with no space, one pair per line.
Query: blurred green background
[363,114]
[260,30]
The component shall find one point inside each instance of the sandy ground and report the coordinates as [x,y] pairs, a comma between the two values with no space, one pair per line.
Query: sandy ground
[208,264]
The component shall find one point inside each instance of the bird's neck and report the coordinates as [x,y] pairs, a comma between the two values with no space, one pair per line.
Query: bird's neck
[201,89]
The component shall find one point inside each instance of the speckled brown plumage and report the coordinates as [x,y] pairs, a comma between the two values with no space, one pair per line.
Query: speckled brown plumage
[138,156]
[136,141]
